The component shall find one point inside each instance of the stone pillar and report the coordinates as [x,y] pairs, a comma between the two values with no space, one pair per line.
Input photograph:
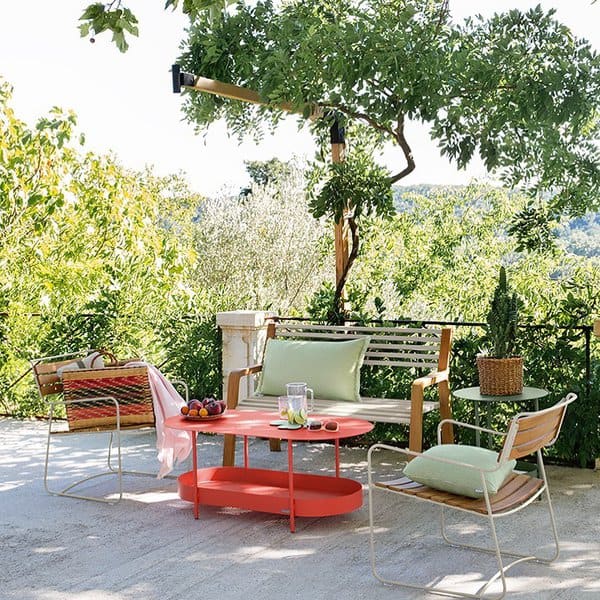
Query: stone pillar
[244,334]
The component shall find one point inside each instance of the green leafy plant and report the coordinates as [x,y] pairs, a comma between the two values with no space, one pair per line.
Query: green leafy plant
[354,189]
[502,320]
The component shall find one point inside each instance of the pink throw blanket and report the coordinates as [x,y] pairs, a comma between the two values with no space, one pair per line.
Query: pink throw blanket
[173,445]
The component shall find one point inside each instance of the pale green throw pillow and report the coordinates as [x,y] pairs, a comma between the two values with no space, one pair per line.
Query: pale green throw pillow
[331,369]
[458,479]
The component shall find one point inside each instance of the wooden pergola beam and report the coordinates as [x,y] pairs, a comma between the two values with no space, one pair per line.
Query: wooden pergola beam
[229,90]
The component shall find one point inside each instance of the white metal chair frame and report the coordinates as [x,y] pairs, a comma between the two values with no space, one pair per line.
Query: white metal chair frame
[504,456]
[114,438]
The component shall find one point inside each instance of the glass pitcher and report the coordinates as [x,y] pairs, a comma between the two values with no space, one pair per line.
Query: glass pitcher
[298,406]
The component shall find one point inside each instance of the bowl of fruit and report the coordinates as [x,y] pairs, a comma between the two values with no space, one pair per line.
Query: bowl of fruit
[203,410]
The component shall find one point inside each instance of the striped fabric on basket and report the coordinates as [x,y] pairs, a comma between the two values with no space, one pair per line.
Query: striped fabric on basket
[128,385]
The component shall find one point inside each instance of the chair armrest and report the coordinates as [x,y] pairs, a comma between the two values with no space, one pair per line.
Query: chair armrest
[467,426]
[233,383]
[185,387]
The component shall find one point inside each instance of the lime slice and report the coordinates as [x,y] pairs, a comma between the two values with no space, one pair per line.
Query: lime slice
[300,418]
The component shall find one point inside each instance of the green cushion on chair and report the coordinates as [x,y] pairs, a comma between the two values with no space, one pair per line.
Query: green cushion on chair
[457,479]
[331,369]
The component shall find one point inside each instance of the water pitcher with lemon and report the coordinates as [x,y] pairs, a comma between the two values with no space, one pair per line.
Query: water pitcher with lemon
[298,405]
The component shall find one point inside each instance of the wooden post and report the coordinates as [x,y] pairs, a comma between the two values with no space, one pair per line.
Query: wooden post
[338,148]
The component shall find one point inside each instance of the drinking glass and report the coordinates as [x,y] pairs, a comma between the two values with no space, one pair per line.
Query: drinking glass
[283,405]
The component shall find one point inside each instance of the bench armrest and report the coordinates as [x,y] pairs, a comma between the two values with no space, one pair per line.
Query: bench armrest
[233,383]
[417,393]
[431,379]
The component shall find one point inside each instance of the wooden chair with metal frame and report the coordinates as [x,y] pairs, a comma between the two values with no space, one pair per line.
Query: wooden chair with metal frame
[111,399]
[528,433]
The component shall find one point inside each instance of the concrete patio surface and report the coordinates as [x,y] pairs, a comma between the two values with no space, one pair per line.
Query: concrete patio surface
[149,547]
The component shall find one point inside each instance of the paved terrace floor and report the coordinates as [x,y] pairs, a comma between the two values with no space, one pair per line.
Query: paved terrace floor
[149,547]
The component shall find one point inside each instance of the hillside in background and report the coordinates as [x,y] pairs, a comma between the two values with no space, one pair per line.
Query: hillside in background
[579,235]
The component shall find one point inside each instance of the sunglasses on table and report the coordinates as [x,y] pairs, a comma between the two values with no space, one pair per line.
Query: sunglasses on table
[324,426]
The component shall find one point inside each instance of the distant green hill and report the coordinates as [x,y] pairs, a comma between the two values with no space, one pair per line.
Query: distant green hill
[579,235]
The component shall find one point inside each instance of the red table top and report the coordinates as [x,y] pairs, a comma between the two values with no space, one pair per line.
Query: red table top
[256,424]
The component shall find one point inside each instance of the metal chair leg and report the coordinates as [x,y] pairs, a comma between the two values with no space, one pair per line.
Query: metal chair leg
[406,584]
[66,491]
[131,472]
[535,558]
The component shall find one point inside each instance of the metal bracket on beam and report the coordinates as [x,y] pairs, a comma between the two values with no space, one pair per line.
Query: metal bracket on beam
[181,79]
[337,133]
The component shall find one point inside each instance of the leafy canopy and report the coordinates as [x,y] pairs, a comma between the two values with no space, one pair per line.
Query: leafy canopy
[518,89]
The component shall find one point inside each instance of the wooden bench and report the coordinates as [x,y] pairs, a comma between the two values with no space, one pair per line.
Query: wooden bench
[424,351]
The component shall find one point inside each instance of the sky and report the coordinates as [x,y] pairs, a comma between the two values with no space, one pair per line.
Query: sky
[125,103]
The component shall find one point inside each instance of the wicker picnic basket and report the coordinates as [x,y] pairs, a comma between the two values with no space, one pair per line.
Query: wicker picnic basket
[128,385]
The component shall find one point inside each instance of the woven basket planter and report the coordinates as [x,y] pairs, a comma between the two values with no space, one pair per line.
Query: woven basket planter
[500,376]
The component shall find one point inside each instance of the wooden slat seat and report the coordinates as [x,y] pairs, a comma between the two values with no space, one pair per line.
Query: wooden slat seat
[517,490]
[382,410]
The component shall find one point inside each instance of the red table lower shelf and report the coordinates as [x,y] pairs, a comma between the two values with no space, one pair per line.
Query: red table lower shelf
[264,490]
[268,491]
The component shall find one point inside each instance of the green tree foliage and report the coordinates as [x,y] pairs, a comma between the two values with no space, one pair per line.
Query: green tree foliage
[84,236]
[353,190]
[114,16]
[263,251]
[519,88]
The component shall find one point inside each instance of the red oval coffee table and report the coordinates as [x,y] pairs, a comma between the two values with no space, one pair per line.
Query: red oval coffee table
[265,490]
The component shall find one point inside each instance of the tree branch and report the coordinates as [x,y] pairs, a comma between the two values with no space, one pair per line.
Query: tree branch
[406,149]
[337,309]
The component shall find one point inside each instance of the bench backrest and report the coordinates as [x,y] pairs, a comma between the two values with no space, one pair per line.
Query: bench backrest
[424,348]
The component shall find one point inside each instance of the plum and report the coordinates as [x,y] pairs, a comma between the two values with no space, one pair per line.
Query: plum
[195,404]
[213,408]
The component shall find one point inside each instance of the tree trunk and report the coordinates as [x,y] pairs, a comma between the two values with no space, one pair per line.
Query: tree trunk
[337,314]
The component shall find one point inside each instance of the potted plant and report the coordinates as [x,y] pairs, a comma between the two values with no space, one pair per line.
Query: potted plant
[500,368]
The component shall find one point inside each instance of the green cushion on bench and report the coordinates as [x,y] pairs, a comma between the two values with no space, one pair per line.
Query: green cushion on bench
[331,369]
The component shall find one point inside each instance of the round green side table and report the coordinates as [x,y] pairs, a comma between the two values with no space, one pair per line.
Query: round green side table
[473,394]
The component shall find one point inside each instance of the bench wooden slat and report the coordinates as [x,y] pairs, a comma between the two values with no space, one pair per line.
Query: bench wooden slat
[400,355]
[353,336]
[303,327]
[401,363]
[374,345]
